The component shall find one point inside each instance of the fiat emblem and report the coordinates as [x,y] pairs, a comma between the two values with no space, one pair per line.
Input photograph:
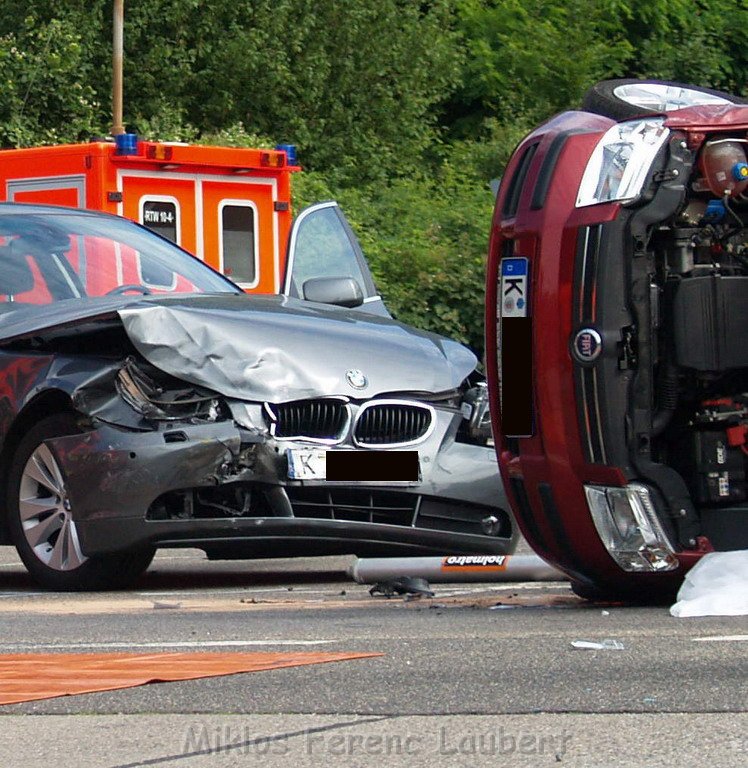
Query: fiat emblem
[356,378]
[587,345]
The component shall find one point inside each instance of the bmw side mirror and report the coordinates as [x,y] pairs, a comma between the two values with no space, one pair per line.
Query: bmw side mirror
[341,291]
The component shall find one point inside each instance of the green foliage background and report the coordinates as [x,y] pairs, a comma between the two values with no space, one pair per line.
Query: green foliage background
[402,111]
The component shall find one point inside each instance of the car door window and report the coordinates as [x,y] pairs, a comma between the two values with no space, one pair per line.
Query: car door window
[322,245]
[322,248]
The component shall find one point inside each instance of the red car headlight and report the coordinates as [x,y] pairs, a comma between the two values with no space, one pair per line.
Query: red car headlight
[619,165]
[628,526]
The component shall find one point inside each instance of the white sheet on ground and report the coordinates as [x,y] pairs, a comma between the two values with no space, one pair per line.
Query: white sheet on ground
[716,586]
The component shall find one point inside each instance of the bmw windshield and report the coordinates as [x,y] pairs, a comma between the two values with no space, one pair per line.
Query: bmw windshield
[48,256]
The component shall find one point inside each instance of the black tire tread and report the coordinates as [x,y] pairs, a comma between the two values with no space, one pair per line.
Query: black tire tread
[601,100]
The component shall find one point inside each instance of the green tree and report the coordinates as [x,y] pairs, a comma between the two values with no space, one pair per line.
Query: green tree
[527,59]
[353,84]
[45,91]
[698,42]
[425,237]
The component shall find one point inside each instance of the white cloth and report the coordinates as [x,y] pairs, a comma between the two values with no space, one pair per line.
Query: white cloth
[716,586]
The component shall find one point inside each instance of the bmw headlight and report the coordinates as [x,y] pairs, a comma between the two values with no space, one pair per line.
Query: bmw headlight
[475,411]
[167,400]
[620,163]
[629,527]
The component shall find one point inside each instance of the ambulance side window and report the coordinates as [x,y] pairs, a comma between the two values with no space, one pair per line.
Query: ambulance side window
[161,215]
[238,239]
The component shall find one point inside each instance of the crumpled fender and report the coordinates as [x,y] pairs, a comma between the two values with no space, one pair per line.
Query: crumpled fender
[116,473]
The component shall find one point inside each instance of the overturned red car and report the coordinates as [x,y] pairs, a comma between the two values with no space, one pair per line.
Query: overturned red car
[617,335]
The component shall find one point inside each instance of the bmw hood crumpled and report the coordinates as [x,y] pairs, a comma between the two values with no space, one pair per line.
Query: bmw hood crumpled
[278,349]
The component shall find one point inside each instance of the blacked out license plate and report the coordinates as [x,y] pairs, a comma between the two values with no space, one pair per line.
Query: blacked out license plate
[354,466]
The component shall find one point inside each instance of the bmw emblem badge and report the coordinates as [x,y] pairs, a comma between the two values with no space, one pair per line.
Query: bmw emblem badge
[586,345]
[356,378]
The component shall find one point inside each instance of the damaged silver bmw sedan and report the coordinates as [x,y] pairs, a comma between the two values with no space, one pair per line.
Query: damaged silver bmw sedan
[146,402]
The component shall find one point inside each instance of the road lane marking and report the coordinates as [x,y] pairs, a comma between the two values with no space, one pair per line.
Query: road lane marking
[159,559]
[166,644]
[499,587]
[222,591]
[22,594]
[721,639]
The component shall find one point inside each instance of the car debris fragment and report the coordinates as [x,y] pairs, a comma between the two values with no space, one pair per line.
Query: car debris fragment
[403,585]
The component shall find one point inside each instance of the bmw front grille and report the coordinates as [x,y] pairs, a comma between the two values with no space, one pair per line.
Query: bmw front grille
[377,424]
[326,420]
[392,423]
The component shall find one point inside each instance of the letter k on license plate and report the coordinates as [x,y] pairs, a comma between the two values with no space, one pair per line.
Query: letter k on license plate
[307,464]
[353,466]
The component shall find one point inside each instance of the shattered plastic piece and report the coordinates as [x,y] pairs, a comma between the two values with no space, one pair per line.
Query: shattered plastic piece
[605,645]
[716,586]
[404,585]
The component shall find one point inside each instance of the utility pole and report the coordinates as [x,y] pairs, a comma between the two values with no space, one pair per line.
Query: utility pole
[117,59]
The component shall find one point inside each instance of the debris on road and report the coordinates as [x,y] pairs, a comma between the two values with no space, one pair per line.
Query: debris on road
[604,645]
[404,585]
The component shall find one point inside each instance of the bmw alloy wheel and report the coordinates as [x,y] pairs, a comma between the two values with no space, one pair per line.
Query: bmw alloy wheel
[45,513]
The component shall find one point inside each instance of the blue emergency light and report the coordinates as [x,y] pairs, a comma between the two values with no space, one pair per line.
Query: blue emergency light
[126,144]
[290,150]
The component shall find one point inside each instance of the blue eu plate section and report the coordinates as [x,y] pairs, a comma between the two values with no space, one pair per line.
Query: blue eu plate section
[513,296]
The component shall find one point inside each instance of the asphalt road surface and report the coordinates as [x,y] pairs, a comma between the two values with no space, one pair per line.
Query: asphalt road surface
[480,675]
